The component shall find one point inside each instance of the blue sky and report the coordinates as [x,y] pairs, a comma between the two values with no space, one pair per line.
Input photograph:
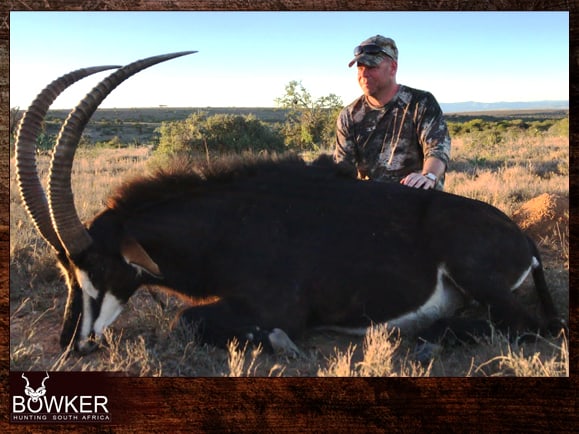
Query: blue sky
[245,59]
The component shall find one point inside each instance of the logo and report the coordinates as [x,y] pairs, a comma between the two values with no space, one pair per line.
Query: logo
[57,399]
[35,395]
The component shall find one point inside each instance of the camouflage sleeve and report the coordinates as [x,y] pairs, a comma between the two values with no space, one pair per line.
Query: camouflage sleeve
[432,130]
[345,149]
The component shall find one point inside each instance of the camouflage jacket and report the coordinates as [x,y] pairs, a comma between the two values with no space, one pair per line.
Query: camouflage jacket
[388,143]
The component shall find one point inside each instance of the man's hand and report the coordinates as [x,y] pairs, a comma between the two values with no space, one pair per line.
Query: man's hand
[418,180]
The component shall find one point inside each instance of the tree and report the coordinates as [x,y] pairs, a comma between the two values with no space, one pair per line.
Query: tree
[310,123]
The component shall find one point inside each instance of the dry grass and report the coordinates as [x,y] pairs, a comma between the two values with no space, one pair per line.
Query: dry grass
[380,358]
[141,342]
[521,171]
[514,362]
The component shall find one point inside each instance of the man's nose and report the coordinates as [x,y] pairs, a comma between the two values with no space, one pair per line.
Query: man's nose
[363,71]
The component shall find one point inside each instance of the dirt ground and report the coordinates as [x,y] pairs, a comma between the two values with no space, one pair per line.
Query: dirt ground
[540,216]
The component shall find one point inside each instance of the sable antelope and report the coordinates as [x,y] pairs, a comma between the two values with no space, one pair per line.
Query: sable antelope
[282,245]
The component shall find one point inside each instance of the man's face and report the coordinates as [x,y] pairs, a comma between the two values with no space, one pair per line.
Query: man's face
[376,80]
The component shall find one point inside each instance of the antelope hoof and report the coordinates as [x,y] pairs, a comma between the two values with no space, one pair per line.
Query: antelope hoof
[90,344]
[282,344]
[425,351]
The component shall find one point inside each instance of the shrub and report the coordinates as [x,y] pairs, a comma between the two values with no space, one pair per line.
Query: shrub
[560,128]
[45,142]
[115,142]
[217,134]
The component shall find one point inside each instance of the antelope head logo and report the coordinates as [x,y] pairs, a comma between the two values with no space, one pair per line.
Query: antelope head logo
[35,395]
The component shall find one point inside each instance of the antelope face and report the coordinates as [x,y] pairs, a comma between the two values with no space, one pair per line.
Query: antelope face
[99,310]
[98,288]
[100,282]
[88,312]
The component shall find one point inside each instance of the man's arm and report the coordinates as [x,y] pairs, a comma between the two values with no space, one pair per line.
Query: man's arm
[435,141]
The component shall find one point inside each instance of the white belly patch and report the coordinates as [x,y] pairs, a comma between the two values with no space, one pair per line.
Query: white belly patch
[443,302]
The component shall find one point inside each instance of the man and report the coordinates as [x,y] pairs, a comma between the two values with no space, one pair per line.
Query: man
[391,133]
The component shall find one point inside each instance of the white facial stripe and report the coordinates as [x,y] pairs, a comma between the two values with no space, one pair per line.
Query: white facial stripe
[85,283]
[110,309]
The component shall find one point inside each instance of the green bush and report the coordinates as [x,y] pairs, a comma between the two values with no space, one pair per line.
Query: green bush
[114,143]
[217,134]
[560,128]
[45,142]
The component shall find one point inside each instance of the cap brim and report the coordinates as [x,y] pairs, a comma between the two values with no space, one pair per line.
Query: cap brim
[368,60]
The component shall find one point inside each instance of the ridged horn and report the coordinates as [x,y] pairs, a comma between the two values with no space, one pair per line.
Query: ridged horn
[70,230]
[30,126]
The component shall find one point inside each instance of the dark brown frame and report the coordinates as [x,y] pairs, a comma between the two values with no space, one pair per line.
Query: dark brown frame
[308,404]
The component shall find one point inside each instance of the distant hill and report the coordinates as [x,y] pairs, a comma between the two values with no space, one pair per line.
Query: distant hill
[472,106]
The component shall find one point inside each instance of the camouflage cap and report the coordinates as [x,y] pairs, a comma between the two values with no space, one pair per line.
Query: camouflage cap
[366,52]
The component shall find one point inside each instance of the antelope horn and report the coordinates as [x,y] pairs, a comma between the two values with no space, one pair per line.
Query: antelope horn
[26,379]
[29,184]
[45,378]
[71,232]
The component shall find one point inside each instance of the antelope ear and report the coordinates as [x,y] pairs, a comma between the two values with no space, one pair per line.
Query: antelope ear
[135,255]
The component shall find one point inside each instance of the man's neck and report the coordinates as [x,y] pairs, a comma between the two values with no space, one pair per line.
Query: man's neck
[381,101]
